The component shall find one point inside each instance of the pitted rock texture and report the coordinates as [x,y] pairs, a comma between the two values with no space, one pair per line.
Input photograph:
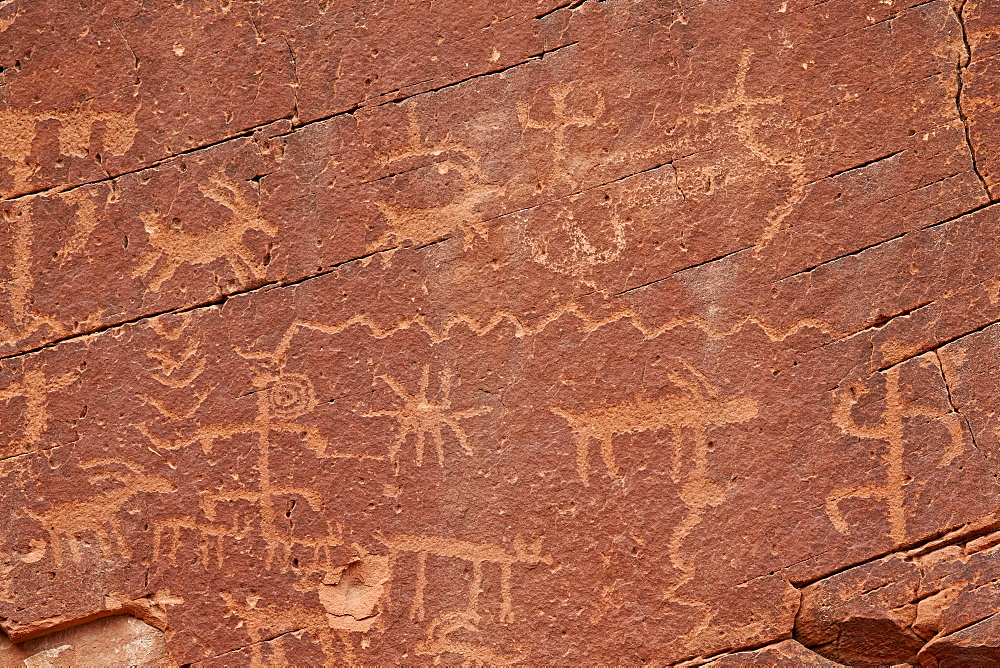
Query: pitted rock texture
[600,332]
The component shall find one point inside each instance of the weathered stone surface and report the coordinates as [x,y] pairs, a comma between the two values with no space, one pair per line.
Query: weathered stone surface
[969,364]
[979,73]
[863,616]
[530,332]
[931,606]
[116,641]
[976,645]
[787,654]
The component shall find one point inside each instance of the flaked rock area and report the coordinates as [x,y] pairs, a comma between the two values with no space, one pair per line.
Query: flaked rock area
[337,332]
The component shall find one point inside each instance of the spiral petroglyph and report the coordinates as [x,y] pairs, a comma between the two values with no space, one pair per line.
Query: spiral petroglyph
[290,396]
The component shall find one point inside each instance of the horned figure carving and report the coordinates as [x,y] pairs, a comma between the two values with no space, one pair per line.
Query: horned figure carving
[691,413]
[695,410]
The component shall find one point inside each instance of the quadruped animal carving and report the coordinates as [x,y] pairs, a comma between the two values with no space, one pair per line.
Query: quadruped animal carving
[67,521]
[175,246]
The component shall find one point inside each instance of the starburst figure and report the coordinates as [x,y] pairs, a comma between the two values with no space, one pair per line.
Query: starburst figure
[425,417]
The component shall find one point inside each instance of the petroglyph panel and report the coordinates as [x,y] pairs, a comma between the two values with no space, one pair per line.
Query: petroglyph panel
[244,471]
[569,333]
[624,210]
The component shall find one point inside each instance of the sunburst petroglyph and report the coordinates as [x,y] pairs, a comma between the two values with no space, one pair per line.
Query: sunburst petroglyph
[425,417]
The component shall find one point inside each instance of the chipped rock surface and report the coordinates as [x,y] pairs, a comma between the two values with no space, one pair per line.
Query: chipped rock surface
[786,654]
[120,640]
[601,332]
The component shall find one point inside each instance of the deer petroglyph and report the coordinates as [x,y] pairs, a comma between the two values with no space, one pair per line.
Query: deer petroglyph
[356,595]
[173,246]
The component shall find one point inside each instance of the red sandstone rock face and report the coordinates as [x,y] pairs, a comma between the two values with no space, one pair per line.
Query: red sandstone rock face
[523,332]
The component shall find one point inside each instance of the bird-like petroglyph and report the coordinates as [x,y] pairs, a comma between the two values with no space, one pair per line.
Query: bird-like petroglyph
[517,333]
[423,225]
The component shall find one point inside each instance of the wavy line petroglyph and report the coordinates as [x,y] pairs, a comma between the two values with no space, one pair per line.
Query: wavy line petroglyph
[66,522]
[746,125]
[889,430]
[19,129]
[424,417]
[587,324]
[173,246]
